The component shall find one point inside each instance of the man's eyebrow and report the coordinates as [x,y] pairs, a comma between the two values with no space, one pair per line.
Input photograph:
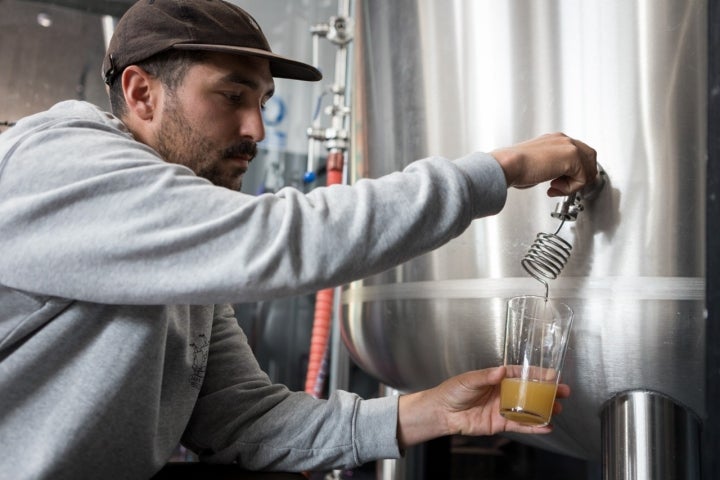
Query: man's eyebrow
[248,82]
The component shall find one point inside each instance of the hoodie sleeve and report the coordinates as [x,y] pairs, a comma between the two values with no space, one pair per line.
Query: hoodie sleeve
[88,213]
[241,417]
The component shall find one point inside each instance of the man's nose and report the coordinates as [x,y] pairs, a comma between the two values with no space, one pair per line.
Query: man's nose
[251,124]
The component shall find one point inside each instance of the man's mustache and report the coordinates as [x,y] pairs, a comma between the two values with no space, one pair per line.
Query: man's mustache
[244,148]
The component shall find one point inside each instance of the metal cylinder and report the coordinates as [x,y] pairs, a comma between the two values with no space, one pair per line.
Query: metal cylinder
[648,436]
[628,77]
[391,469]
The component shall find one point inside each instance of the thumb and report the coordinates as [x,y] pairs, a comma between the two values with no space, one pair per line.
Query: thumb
[495,375]
[484,377]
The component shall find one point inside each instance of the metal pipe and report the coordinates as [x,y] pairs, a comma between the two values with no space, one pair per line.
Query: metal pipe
[339,377]
[108,28]
[340,32]
[648,436]
[391,469]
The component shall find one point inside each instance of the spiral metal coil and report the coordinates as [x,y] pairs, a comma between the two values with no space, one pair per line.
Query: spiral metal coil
[546,257]
[549,253]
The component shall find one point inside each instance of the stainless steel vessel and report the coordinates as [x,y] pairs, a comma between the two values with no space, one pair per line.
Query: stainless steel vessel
[637,426]
[627,77]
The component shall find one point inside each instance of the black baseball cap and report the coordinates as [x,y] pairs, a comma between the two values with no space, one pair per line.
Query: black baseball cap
[153,26]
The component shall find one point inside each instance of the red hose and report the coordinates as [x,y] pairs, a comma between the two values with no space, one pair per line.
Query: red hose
[334,177]
[322,320]
[319,340]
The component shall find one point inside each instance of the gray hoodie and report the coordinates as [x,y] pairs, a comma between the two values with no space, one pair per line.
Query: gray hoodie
[117,340]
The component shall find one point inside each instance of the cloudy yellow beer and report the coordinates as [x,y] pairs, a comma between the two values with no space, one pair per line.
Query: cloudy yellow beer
[527,401]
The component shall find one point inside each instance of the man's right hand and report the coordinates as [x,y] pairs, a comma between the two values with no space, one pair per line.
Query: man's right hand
[567,163]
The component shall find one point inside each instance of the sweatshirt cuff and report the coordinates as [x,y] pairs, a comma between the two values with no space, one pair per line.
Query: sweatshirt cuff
[488,183]
[376,429]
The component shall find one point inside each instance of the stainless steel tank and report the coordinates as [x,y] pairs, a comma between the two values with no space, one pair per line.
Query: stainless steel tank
[627,77]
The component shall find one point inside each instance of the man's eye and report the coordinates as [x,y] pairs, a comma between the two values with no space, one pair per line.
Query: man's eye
[234,98]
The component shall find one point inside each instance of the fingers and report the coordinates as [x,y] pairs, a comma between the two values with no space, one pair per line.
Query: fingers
[563,391]
[470,404]
[518,428]
[580,171]
[569,164]
[589,159]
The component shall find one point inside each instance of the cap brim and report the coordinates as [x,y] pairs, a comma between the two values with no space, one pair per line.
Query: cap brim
[280,67]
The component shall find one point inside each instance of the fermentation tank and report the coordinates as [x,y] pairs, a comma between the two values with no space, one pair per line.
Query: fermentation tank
[626,77]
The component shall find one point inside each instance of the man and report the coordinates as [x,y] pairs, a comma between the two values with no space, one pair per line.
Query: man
[125,239]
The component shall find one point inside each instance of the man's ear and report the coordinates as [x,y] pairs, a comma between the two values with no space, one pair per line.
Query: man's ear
[142,92]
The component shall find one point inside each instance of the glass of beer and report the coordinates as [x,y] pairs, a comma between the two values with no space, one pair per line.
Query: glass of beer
[536,338]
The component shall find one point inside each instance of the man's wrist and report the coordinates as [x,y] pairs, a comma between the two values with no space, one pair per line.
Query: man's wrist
[420,419]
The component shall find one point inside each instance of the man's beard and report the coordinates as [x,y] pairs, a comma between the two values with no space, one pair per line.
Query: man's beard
[177,142]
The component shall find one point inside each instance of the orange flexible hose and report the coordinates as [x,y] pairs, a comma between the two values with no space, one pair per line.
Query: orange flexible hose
[334,176]
[322,319]
[319,340]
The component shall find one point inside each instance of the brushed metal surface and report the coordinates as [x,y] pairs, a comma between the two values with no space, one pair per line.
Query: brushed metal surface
[647,436]
[629,78]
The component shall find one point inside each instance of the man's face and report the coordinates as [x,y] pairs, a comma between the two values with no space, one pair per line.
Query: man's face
[213,120]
